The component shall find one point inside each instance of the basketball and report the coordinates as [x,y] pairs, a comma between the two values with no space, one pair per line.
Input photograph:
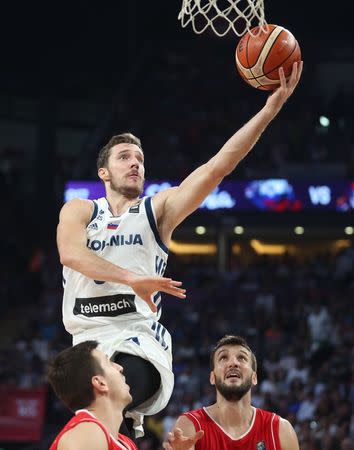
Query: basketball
[260,54]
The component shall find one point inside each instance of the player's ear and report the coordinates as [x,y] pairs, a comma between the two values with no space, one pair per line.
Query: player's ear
[254,379]
[99,383]
[103,173]
[212,378]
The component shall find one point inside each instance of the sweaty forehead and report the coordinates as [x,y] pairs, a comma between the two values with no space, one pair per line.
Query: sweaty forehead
[125,147]
[232,349]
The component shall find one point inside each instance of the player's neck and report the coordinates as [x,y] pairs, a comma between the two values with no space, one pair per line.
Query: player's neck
[119,204]
[110,415]
[236,415]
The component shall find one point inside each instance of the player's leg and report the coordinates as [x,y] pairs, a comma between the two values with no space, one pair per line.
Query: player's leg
[143,379]
[141,375]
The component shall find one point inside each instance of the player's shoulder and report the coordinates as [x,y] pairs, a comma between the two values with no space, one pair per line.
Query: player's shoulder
[78,208]
[161,196]
[199,413]
[78,203]
[85,435]
[188,424]
[127,441]
[159,199]
[265,415]
[285,427]
[195,416]
[287,435]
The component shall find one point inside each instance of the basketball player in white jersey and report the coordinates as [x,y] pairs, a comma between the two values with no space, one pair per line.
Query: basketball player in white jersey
[114,252]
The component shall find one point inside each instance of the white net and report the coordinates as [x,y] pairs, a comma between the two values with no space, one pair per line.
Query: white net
[222,15]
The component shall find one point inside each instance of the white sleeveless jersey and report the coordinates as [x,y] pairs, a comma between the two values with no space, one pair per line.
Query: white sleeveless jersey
[130,241]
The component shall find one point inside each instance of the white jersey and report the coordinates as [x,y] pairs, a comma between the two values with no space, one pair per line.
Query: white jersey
[130,241]
[112,313]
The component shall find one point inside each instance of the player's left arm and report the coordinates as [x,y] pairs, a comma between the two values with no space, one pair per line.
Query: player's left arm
[287,436]
[183,436]
[174,205]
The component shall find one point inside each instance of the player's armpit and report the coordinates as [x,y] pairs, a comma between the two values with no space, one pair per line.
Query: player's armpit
[85,436]
[287,436]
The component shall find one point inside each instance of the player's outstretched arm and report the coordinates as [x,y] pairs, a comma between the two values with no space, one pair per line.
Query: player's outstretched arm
[287,436]
[174,205]
[74,253]
[183,436]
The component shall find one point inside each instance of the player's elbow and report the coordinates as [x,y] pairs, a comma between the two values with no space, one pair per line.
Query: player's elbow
[67,258]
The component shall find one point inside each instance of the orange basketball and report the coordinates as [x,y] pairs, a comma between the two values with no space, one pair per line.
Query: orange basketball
[260,54]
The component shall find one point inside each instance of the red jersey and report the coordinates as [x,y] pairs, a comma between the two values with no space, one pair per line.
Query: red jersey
[120,443]
[263,433]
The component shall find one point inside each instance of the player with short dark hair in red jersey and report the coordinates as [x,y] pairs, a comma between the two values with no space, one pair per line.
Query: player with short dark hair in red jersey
[94,387]
[232,423]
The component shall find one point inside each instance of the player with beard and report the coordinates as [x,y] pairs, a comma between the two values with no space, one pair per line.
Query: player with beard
[232,422]
[114,252]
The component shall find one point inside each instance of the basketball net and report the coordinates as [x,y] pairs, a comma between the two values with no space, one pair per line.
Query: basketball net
[222,15]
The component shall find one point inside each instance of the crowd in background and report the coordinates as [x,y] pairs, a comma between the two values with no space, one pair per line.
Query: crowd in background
[297,316]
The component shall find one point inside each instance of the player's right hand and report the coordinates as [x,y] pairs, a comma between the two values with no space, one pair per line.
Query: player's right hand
[176,441]
[145,287]
[279,96]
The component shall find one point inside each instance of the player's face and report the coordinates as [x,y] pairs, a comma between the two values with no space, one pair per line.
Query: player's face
[233,375]
[125,171]
[115,379]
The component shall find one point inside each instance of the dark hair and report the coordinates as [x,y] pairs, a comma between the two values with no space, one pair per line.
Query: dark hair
[70,374]
[124,138]
[230,339]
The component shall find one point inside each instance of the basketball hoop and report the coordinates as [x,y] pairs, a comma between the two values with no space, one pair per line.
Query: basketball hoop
[222,15]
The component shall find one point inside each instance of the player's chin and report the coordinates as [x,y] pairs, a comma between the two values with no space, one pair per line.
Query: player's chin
[233,381]
[133,189]
[129,398]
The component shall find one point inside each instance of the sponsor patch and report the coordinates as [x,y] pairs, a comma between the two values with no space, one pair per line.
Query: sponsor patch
[135,209]
[106,306]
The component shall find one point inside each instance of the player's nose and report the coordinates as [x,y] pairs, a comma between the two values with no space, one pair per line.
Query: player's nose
[234,362]
[118,367]
[135,162]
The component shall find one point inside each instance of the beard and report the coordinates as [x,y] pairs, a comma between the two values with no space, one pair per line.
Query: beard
[129,192]
[233,393]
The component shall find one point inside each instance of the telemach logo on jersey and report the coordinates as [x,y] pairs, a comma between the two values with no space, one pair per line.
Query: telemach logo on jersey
[260,446]
[106,306]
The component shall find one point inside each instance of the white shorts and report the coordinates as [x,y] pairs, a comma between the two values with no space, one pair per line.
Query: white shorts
[144,338]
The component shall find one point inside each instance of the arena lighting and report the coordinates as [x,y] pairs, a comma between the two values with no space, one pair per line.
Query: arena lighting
[299,230]
[349,230]
[324,121]
[181,248]
[200,230]
[239,230]
[269,249]
[236,249]
[341,244]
